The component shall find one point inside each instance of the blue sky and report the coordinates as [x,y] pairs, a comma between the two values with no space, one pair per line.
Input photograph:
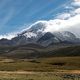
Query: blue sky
[14,14]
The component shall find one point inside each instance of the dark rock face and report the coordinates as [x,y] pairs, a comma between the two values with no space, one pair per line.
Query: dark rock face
[46,36]
[5,42]
[47,39]
[44,39]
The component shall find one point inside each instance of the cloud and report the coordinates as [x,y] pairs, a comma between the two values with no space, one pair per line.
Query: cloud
[71,24]
[64,16]
[76,3]
[9,35]
[66,21]
[77,11]
[63,25]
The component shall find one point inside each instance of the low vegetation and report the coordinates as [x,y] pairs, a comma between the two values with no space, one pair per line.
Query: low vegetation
[38,76]
[36,51]
[36,63]
[41,64]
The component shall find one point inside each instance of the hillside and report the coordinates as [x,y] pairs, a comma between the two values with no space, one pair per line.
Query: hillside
[37,51]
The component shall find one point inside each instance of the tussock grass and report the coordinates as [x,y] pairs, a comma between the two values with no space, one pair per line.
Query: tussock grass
[41,64]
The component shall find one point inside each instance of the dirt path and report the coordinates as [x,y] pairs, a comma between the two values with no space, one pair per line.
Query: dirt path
[17,72]
[69,71]
[30,72]
[75,71]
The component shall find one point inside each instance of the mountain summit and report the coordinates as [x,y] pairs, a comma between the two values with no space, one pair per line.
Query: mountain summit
[38,34]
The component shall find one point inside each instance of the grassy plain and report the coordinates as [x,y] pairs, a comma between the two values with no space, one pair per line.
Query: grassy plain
[28,63]
[54,68]
[41,64]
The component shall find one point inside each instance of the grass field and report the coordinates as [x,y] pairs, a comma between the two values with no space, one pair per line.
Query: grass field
[41,64]
[29,76]
[35,63]
[39,76]
[53,68]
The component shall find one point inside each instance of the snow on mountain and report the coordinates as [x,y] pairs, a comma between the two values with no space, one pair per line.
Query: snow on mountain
[72,25]
[35,30]
[45,33]
[65,27]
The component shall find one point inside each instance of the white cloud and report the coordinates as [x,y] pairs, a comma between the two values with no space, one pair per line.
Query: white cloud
[69,7]
[70,24]
[6,36]
[69,21]
[77,0]
[9,35]
[64,16]
[77,11]
[76,3]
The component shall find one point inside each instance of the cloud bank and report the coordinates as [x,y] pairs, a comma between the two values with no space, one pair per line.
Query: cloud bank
[65,21]
[8,36]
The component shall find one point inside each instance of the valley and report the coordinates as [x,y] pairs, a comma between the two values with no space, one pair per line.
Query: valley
[36,62]
[33,51]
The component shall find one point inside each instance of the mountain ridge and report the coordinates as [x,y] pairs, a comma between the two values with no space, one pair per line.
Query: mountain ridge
[37,34]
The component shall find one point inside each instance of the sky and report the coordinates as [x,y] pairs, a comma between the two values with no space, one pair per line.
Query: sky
[16,15]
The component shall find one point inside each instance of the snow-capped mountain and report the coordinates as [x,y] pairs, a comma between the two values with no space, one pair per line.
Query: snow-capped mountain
[40,28]
[34,29]
[38,33]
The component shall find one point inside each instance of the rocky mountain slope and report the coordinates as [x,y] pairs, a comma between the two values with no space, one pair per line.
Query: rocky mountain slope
[37,34]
